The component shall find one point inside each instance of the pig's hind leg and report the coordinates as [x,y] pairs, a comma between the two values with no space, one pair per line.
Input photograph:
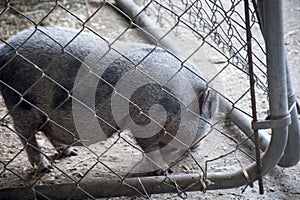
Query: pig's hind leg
[27,134]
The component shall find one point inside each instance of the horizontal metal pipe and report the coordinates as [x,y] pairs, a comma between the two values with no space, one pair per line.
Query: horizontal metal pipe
[243,121]
[150,31]
[152,185]
[109,188]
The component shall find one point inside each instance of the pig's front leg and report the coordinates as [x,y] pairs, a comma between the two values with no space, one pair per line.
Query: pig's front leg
[35,157]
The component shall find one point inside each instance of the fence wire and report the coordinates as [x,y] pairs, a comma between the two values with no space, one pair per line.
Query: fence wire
[122,87]
[220,25]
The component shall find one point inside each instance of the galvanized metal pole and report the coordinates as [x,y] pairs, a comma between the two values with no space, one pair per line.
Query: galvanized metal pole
[291,154]
[276,69]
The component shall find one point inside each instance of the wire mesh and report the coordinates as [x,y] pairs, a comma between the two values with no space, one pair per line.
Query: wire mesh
[212,36]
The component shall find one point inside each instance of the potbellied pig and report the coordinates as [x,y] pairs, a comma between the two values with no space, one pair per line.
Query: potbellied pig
[77,88]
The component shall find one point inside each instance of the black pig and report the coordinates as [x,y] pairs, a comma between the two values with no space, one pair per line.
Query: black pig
[77,88]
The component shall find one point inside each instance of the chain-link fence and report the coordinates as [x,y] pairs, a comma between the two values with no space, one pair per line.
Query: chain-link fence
[114,98]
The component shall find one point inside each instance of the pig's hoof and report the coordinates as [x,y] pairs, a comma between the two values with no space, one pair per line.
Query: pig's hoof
[73,152]
[44,166]
[70,151]
[46,169]
[67,152]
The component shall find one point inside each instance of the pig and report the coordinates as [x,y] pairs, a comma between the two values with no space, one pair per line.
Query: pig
[78,88]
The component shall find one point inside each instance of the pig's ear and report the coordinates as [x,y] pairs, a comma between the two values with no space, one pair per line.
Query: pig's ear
[207,102]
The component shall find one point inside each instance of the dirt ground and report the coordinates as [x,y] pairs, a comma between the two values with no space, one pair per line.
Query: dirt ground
[119,156]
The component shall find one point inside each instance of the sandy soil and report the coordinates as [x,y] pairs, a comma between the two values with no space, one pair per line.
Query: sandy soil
[119,155]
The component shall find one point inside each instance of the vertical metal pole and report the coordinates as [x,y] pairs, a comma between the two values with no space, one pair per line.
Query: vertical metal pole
[292,152]
[275,57]
[276,70]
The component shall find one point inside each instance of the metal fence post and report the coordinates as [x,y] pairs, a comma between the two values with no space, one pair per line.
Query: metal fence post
[268,16]
[273,31]
[292,151]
